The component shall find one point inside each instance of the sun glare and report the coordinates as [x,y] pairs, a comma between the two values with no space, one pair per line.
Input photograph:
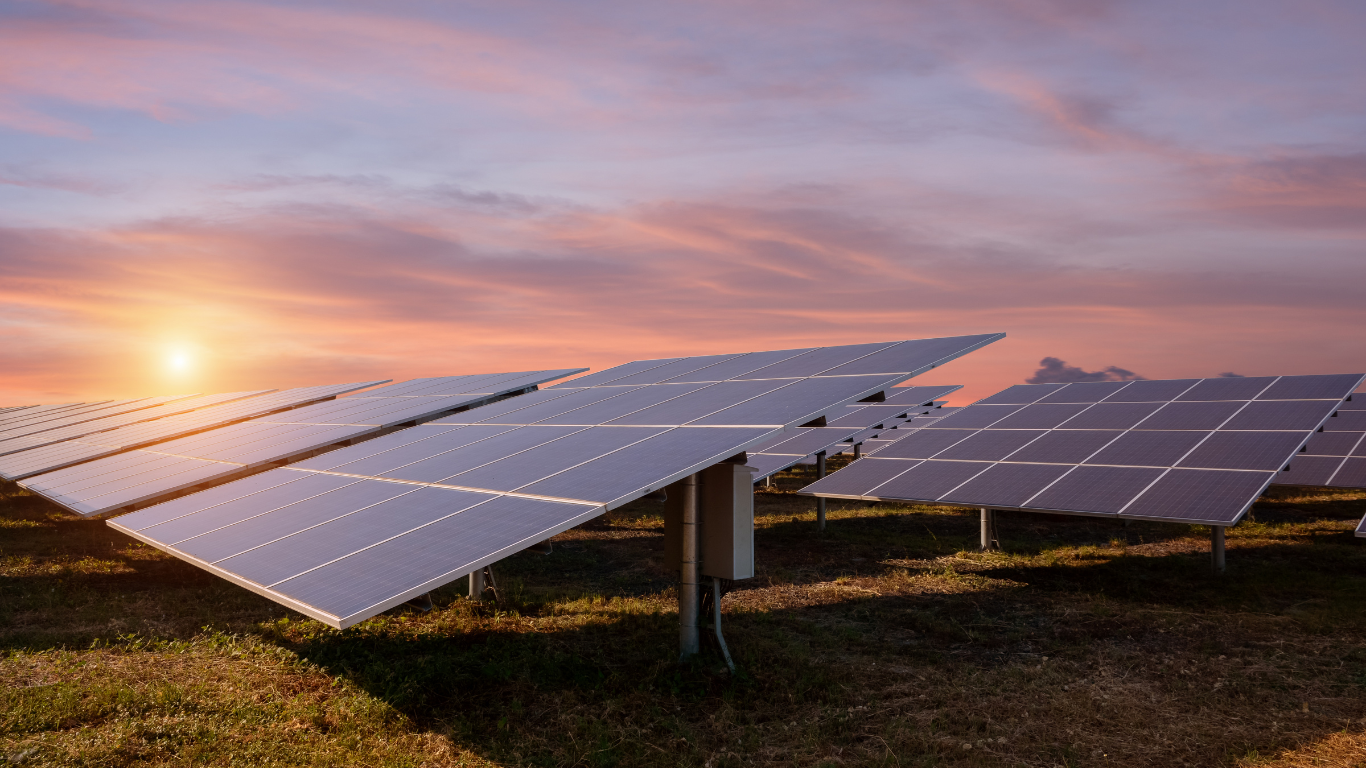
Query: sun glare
[179,362]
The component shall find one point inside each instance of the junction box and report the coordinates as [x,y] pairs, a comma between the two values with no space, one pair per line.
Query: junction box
[726,537]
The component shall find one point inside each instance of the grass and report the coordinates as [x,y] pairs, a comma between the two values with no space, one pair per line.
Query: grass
[888,640]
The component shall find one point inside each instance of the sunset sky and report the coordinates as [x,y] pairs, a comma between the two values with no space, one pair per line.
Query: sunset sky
[226,195]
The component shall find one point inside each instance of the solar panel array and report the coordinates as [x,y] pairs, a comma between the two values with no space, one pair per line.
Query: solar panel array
[140,476]
[348,534]
[239,406]
[29,411]
[1189,450]
[857,424]
[84,414]
[105,423]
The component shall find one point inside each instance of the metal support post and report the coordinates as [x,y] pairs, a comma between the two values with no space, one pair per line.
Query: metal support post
[477,584]
[688,637]
[858,451]
[989,539]
[1217,548]
[820,500]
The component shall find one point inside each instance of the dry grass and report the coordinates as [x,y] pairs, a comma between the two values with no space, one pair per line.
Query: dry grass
[886,641]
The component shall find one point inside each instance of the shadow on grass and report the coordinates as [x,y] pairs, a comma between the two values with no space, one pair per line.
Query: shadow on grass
[579,665]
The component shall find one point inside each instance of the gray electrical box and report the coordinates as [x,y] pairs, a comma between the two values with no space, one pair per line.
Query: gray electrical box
[726,538]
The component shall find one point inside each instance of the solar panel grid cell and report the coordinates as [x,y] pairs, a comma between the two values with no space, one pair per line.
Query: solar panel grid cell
[1086,392]
[1008,485]
[1065,446]
[989,445]
[1040,416]
[1095,490]
[1201,416]
[326,542]
[1347,421]
[1310,470]
[1111,416]
[1352,473]
[1200,496]
[1021,394]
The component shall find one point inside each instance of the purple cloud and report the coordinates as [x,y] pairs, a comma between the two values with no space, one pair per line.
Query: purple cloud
[1055,371]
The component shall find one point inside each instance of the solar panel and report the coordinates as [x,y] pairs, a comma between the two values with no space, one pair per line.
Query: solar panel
[472,488]
[83,414]
[144,475]
[1149,450]
[231,407]
[860,422]
[110,422]
[924,395]
[1335,457]
[30,411]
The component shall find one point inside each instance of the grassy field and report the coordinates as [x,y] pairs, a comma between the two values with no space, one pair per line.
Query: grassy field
[888,640]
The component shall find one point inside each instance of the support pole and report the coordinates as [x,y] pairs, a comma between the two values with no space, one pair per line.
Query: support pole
[858,451]
[688,637]
[1216,548]
[477,585]
[820,500]
[989,539]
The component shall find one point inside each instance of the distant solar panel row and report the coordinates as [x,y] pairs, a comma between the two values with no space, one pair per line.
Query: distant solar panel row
[348,534]
[231,407]
[1190,450]
[138,476]
[110,422]
[856,424]
[85,414]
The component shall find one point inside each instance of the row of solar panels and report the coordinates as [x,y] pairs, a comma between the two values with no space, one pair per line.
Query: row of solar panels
[434,486]
[1190,450]
[440,477]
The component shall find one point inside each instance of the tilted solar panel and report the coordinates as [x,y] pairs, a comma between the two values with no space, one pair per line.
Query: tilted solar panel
[84,414]
[106,423]
[348,534]
[30,411]
[231,407]
[1151,450]
[217,455]
[858,422]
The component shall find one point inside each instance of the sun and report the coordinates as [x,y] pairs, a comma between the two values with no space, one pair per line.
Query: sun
[178,362]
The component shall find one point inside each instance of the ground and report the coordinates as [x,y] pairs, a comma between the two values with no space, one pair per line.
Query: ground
[887,640]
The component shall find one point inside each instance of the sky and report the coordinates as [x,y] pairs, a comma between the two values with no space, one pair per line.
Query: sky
[216,196]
